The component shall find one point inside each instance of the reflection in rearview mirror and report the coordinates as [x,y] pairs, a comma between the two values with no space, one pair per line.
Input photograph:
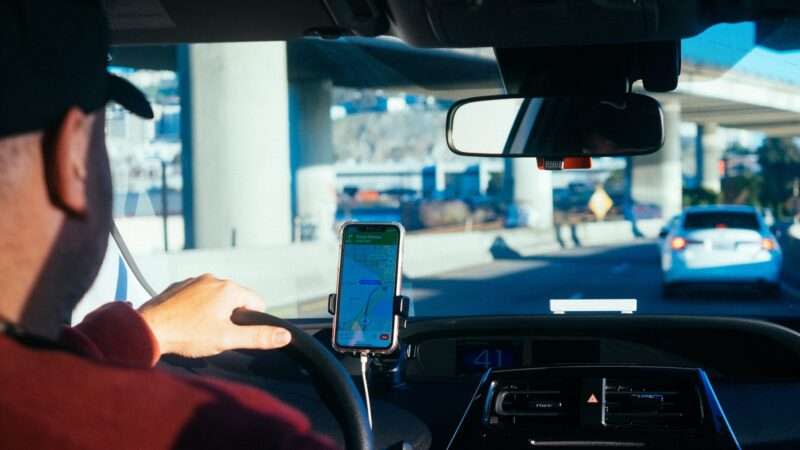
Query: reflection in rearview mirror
[556,127]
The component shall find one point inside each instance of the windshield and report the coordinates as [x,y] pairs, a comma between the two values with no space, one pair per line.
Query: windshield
[260,151]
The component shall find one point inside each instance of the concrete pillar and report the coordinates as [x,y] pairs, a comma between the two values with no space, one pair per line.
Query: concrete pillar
[240,144]
[532,193]
[312,155]
[657,178]
[433,181]
[711,147]
[485,176]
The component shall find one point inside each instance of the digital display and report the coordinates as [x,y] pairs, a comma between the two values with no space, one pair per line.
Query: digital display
[367,286]
[479,356]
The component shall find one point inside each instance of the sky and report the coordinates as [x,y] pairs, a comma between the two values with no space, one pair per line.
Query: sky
[734,46]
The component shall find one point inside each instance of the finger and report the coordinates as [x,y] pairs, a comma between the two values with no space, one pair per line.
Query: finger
[250,300]
[261,337]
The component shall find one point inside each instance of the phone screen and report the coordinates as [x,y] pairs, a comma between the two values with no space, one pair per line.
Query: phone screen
[367,286]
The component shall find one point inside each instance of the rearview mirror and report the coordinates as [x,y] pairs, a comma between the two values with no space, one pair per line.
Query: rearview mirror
[555,127]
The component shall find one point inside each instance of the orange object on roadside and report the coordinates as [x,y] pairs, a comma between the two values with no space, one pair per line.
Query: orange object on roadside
[368,196]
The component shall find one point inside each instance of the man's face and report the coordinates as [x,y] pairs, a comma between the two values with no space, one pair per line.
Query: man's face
[80,247]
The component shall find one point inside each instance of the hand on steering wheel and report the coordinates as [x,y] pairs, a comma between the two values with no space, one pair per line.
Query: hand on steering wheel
[332,381]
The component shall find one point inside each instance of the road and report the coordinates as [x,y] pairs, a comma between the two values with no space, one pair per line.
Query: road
[514,284]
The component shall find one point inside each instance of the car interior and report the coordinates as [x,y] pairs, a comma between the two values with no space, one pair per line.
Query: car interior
[716,370]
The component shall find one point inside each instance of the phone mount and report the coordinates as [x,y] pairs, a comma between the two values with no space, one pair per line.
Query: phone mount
[402,305]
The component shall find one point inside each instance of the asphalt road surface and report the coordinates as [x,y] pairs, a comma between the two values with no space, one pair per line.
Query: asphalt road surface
[514,285]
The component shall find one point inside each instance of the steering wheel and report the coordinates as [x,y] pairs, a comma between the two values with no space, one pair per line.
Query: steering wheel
[331,380]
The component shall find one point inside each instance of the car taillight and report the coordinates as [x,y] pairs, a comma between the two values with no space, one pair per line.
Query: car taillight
[678,243]
[768,244]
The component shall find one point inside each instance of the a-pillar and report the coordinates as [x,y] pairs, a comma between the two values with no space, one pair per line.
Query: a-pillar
[239,144]
[312,156]
[658,178]
[710,148]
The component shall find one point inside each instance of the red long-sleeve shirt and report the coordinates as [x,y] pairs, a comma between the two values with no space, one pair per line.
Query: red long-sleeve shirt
[105,394]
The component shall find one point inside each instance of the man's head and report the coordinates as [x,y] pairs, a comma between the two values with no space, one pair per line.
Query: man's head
[55,187]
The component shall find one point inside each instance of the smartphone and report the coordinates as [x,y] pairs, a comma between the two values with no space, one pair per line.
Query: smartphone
[370,258]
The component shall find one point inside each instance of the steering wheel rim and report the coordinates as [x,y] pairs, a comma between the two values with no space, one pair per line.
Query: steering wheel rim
[332,382]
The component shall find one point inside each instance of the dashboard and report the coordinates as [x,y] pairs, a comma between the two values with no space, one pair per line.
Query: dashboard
[520,382]
[594,406]
[726,348]
[480,356]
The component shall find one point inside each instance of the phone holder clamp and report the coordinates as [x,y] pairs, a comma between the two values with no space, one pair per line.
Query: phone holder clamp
[402,305]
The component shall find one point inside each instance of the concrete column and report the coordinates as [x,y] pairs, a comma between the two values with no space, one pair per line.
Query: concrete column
[240,139]
[711,147]
[312,155]
[484,177]
[433,181]
[532,193]
[657,178]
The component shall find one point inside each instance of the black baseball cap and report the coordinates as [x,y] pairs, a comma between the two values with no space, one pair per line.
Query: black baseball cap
[53,56]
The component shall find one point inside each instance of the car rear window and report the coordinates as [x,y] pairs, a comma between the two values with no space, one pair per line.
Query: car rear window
[740,220]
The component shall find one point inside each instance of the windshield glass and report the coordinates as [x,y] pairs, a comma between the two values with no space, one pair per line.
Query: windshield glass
[260,151]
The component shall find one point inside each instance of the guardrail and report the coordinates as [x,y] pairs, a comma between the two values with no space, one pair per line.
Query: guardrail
[311,272]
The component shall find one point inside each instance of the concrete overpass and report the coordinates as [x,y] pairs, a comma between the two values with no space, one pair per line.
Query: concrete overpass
[263,179]
[761,95]
[283,90]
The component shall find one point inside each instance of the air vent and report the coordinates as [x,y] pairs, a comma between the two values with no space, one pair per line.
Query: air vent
[652,404]
[535,403]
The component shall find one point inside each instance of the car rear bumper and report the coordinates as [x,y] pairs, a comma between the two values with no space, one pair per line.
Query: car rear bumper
[680,270]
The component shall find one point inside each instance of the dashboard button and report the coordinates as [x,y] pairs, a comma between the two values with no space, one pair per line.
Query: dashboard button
[592,402]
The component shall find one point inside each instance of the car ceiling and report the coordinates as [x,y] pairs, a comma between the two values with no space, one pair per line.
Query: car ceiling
[433,23]
[173,21]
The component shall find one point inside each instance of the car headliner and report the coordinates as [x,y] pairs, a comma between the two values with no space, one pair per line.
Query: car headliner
[431,23]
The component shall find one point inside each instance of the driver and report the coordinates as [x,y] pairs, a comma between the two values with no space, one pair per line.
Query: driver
[94,386]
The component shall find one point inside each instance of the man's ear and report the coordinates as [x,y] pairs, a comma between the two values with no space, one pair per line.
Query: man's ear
[67,162]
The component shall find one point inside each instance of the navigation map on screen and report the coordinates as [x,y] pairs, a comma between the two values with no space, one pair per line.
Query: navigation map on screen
[367,287]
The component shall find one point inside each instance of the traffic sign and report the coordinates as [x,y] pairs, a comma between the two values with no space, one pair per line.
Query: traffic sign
[600,203]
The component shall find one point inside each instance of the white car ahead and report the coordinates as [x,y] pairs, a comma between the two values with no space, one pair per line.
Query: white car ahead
[725,245]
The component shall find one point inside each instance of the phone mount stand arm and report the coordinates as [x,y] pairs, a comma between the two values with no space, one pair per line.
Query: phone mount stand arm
[401,309]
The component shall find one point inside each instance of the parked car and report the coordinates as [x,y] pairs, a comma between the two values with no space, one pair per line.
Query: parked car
[721,244]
